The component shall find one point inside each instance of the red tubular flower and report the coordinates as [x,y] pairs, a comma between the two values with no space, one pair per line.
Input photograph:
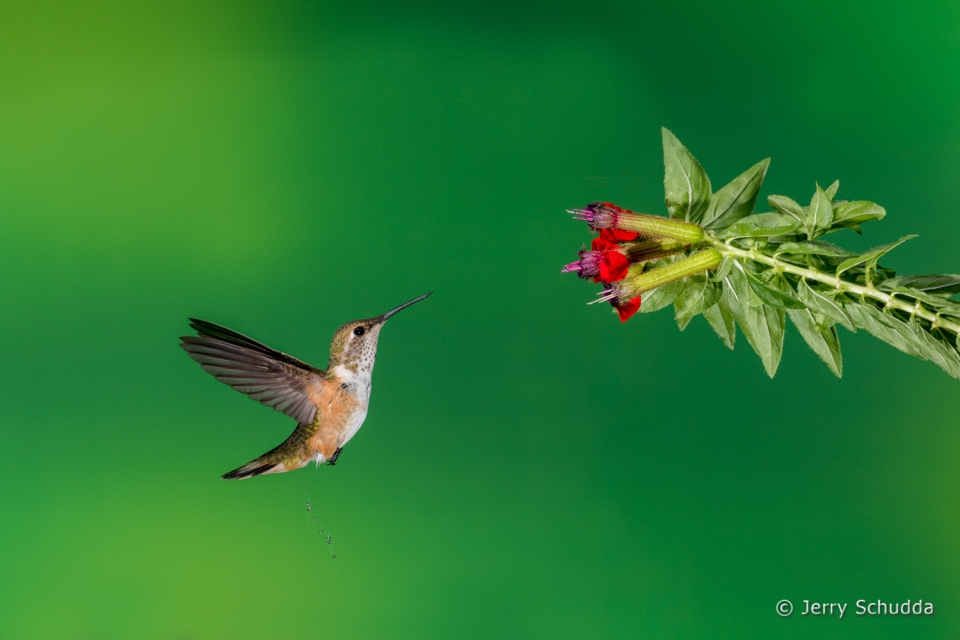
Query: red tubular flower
[613,266]
[603,244]
[606,215]
[603,265]
[609,262]
[618,235]
[627,309]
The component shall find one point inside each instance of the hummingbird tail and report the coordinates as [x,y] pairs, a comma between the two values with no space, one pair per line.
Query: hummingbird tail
[253,468]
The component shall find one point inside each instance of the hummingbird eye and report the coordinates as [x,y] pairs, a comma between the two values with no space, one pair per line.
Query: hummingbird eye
[359,331]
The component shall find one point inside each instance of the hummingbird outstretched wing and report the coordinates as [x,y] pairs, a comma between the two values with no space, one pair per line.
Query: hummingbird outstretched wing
[274,378]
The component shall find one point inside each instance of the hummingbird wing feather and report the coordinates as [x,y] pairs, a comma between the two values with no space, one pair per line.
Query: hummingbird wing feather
[204,328]
[268,376]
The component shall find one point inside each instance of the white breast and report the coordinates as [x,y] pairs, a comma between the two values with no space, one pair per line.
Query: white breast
[359,387]
[353,426]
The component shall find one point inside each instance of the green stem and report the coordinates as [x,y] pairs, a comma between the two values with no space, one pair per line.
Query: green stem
[866,291]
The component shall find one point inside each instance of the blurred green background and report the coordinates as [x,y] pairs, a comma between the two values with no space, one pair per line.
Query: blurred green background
[529,466]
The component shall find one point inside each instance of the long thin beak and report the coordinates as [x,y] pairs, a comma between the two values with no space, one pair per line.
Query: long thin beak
[384,317]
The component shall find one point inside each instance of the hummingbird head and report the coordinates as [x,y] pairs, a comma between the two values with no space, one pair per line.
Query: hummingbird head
[354,344]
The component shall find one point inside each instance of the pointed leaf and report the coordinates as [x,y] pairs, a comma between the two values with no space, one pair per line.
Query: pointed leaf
[741,290]
[721,272]
[762,325]
[866,316]
[820,214]
[698,295]
[822,303]
[763,224]
[932,349]
[737,199]
[942,305]
[662,296]
[906,336]
[787,206]
[813,248]
[772,296]
[870,257]
[825,343]
[942,284]
[856,212]
[685,183]
[831,191]
[721,319]
[774,323]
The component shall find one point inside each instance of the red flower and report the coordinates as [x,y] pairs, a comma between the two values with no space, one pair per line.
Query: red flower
[627,309]
[613,266]
[603,244]
[618,235]
[603,265]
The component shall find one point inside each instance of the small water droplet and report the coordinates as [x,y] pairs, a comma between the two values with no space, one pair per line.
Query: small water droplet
[334,556]
[321,530]
[314,517]
[328,540]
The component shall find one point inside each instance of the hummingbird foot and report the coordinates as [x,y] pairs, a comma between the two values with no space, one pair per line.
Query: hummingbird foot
[333,459]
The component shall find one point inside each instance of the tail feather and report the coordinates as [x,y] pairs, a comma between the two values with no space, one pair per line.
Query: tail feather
[253,468]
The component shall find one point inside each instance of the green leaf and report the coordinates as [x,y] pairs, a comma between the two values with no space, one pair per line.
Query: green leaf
[825,343]
[721,272]
[932,349]
[697,296]
[721,319]
[771,326]
[813,248]
[856,212]
[787,206]
[735,200]
[870,257]
[942,284]
[832,190]
[662,296]
[685,183]
[895,333]
[822,303]
[762,325]
[737,292]
[820,214]
[908,337]
[942,305]
[770,295]
[763,224]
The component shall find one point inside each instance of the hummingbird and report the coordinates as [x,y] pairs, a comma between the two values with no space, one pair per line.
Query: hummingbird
[328,405]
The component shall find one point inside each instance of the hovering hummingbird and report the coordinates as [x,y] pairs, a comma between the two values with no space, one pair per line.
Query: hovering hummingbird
[329,406]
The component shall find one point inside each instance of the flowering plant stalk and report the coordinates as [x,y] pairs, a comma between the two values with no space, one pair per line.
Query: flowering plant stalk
[714,256]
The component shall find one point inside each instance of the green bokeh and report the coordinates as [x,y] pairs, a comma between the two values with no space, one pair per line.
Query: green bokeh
[529,467]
